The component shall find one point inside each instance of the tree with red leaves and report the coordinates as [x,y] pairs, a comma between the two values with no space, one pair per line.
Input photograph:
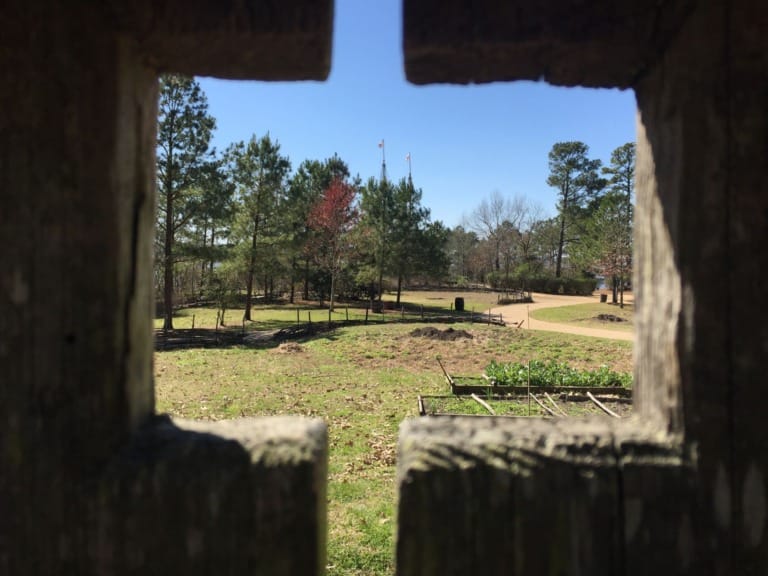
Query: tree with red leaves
[332,218]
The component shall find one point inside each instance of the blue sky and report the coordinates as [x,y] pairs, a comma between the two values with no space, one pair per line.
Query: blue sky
[465,141]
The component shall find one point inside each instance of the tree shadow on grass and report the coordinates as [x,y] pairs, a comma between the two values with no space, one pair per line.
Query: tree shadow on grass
[265,334]
[262,338]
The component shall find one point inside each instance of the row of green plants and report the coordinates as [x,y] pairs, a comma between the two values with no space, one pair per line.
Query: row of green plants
[553,374]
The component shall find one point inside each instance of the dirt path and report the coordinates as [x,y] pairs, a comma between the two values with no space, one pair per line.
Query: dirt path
[519,312]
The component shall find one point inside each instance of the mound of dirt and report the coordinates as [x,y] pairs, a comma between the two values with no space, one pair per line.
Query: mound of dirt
[448,335]
[609,318]
[289,348]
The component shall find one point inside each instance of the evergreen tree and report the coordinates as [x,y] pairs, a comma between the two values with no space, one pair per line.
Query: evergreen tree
[212,225]
[577,180]
[260,175]
[376,202]
[183,137]
[397,234]
[619,214]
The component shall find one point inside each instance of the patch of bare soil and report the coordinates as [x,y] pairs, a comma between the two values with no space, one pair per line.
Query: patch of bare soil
[578,405]
[609,318]
[447,335]
[623,409]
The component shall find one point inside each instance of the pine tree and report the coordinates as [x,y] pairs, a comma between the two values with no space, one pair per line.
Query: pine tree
[183,137]
[576,178]
[260,175]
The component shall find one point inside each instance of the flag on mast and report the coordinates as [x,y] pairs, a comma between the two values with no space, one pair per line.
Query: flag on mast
[408,157]
[381,143]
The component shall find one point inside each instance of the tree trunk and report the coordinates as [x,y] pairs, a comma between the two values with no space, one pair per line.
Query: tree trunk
[168,262]
[560,243]
[621,291]
[293,281]
[251,272]
[333,286]
[203,263]
[615,289]
[399,287]
[248,292]
[213,239]
[561,240]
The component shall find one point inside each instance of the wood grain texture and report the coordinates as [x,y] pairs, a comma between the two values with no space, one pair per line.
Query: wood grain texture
[236,497]
[747,112]
[78,121]
[500,496]
[597,43]
[248,39]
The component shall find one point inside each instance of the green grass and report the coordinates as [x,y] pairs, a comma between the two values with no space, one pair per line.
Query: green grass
[586,315]
[263,317]
[271,316]
[444,300]
[363,381]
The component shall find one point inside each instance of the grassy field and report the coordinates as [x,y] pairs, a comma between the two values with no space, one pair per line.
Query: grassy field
[278,315]
[473,301]
[363,381]
[587,315]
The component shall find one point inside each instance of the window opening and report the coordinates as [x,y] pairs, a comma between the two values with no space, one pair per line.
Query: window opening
[466,200]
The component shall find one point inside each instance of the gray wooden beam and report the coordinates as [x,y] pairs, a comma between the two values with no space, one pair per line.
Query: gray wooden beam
[747,293]
[91,482]
[231,497]
[248,39]
[500,496]
[601,43]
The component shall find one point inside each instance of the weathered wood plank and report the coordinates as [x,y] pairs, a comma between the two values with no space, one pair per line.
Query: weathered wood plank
[231,497]
[747,81]
[658,504]
[682,239]
[497,496]
[249,39]
[76,221]
[78,116]
[600,43]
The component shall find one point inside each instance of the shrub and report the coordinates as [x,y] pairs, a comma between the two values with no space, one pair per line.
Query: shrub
[570,286]
[545,284]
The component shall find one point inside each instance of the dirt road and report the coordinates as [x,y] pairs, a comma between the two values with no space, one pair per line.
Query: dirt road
[519,312]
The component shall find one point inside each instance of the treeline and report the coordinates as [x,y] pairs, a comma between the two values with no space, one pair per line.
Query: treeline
[242,223]
[507,244]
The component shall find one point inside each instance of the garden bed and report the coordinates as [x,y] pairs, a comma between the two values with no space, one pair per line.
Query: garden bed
[564,404]
[465,386]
